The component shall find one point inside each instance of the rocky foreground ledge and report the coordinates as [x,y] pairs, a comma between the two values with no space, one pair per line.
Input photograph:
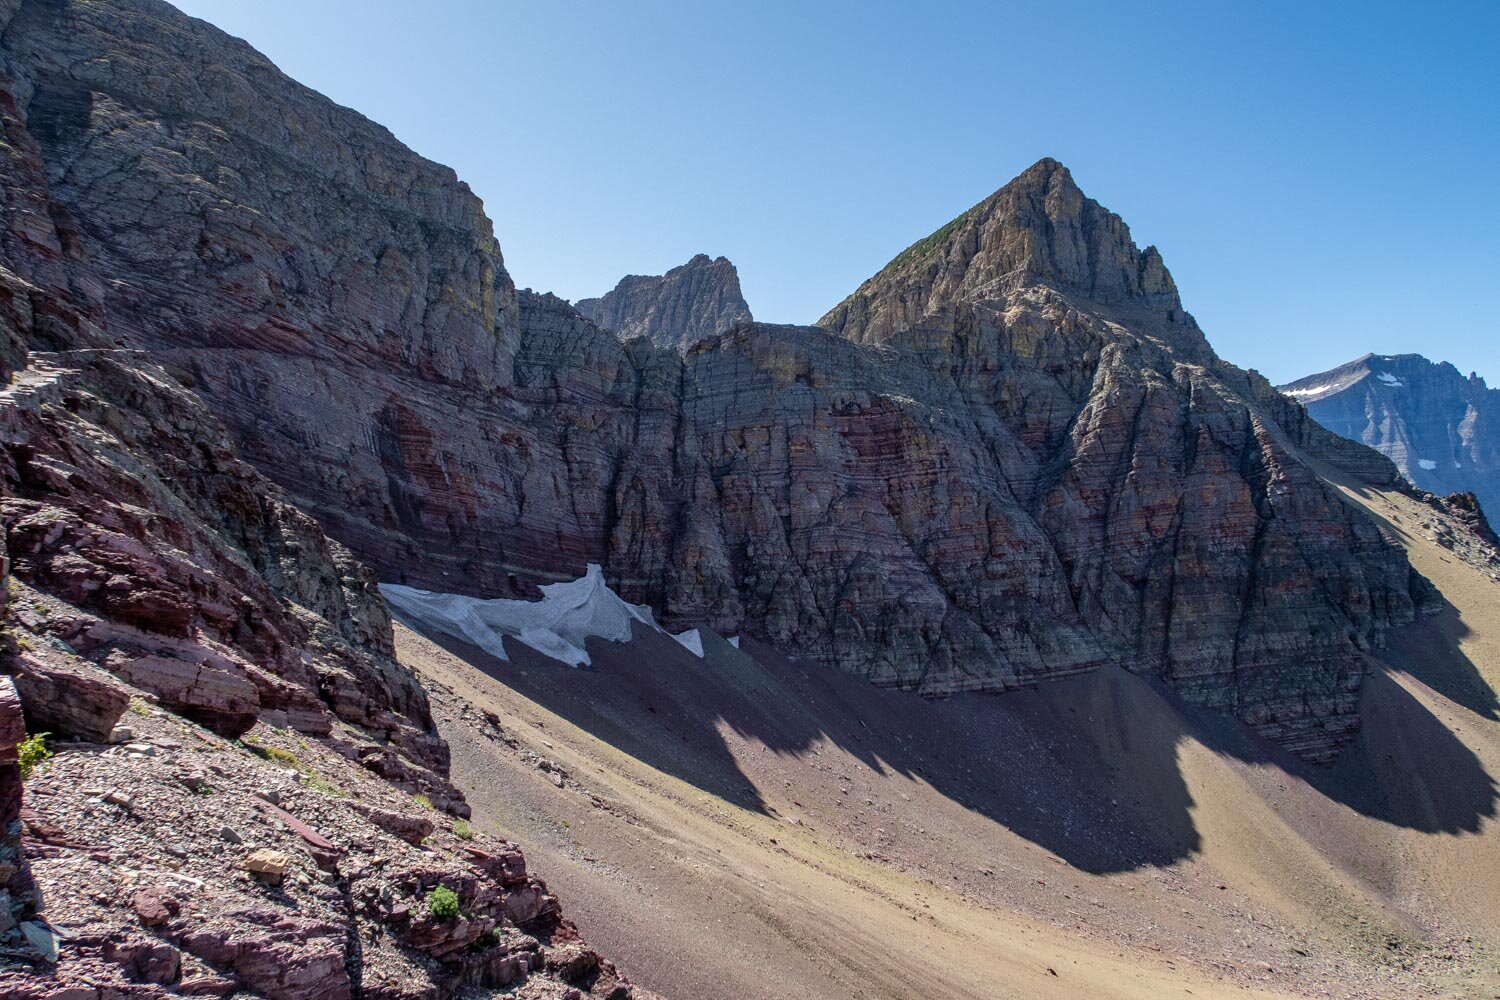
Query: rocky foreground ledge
[175,862]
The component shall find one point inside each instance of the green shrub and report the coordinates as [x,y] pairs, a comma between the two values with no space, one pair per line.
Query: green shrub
[462,830]
[274,754]
[281,756]
[32,751]
[442,903]
[422,801]
[318,783]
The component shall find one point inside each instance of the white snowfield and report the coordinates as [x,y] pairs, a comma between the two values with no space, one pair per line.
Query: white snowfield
[1391,380]
[1427,464]
[559,625]
[1312,390]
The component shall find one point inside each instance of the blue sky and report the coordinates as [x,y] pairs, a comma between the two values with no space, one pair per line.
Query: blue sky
[1323,179]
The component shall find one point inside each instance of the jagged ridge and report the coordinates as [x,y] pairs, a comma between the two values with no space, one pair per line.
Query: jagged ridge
[692,301]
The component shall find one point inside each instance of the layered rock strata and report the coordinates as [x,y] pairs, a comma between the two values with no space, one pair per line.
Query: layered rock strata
[1011,456]
[214,673]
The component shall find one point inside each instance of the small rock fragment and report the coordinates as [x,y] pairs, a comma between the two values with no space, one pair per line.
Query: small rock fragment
[155,906]
[41,939]
[267,866]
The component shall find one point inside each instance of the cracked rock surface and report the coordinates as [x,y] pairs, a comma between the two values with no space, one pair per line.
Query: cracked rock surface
[1009,457]
[188,864]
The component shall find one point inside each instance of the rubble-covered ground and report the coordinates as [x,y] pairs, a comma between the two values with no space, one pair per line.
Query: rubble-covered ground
[142,850]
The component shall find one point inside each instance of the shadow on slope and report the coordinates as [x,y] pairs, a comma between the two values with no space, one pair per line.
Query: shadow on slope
[1086,768]
[1431,652]
[1431,649]
[1407,768]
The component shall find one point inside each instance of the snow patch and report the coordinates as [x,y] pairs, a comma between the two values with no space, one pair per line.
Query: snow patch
[559,625]
[1310,390]
[691,641]
[734,641]
[1391,380]
[1427,464]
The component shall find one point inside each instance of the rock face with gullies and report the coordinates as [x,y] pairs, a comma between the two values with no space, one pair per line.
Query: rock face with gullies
[676,309]
[1440,428]
[1010,456]
[161,593]
[289,260]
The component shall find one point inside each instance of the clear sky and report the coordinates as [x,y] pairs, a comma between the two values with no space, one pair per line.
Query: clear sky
[1322,178]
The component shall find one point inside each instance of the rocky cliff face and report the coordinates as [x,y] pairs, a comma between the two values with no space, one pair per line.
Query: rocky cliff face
[1010,456]
[677,309]
[163,601]
[1441,429]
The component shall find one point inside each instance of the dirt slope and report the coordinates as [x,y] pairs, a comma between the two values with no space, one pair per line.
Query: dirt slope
[812,836]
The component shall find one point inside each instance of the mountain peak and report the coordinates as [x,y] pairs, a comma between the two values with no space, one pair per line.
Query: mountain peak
[1438,426]
[1042,174]
[1038,229]
[691,301]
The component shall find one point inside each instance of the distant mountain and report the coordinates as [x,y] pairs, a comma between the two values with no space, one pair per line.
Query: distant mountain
[676,309]
[1442,429]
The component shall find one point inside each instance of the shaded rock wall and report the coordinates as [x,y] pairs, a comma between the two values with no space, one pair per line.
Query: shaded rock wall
[175,566]
[145,563]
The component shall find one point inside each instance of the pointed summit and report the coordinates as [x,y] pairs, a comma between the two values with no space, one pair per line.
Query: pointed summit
[692,301]
[1041,173]
[1038,229]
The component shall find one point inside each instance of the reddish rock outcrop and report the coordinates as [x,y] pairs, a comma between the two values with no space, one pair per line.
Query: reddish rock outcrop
[17,890]
[66,695]
[228,892]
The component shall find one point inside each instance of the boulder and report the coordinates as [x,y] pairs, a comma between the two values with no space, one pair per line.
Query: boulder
[155,906]
[408,827]
[67,696]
